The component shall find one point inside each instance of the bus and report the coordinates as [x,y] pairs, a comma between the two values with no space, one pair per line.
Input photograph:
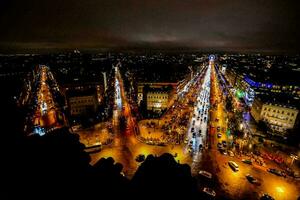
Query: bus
[97,147]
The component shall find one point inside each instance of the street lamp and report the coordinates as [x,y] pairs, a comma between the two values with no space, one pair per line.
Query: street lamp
[241,126]
[294,157]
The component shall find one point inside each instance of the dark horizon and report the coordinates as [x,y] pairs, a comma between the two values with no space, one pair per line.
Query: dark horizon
[146,50]
[239,26]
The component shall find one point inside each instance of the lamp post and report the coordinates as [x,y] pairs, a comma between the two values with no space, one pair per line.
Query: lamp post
[191,69]
[294,157]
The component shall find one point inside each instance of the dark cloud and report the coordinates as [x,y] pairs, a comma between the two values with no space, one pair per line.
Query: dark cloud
[204,24]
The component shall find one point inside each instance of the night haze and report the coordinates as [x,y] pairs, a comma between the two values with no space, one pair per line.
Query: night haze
[248,26]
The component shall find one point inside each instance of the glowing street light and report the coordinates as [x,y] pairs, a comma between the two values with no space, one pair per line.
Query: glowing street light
[241,126]
[294,157]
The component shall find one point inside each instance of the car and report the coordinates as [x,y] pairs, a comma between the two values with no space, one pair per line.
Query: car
[190,150]
[194,134]
[251,179]
[198,118]
[209,191]
[233,166]
[218,128]
[266,197]
[223,151]
[192,129]
[224,143]
[249,162]
[193,122]
[205,173]
[140,158]
[276,172]
[219,135]
[219,145]
[230,153]
[186,140]
[200,146]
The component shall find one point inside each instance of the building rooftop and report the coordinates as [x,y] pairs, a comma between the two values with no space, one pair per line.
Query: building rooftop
[79,93]
[280,100]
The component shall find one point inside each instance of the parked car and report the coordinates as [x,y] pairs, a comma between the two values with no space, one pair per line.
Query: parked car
[205,173]
[276,172]
[209,191]
[219,135]
[249,162]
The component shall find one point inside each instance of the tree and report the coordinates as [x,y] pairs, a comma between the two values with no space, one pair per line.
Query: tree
[262,126]
[293,136]
[163,176]
[229,105]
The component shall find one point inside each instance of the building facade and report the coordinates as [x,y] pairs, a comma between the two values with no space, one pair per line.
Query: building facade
[280,117]
[251,87]
[144,88]
[82,102]
[157,100]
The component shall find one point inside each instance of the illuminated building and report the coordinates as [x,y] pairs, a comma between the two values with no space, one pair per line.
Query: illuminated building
[82,102]
[144,87]
[157,100]
[252,87]
[280,117]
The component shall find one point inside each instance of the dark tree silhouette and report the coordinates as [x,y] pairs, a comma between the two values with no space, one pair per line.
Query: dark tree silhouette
[163,176]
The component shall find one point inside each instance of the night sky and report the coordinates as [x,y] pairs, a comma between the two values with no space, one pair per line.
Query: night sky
[224,25]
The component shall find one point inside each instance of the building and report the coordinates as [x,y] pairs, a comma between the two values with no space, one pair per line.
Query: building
[158,100]
[84,86]
[252,75]
[279,116]
[82,102]
[143,89]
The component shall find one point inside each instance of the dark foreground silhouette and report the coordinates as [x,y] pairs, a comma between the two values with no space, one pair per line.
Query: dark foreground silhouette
[56,166]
